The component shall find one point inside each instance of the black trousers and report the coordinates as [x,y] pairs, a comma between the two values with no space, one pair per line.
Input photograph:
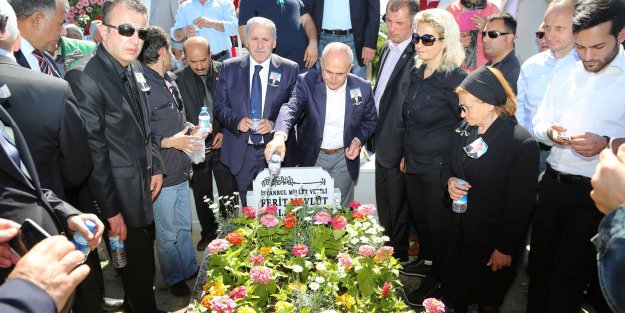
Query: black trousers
[431,215]
[390,195]
[253,164]
[202,184]
[138,275]
[562,260]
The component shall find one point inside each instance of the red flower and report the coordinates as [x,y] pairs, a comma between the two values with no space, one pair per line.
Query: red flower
[339,222]
[290,220]
[272,208]
[354,205]
[235,238]
[249,211]
[386,289]
[300,250]
[297,201]
[358,216]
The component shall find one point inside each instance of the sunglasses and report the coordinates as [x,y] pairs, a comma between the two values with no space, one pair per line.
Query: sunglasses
[464,108]
[127,31]
[3,22]
[540,35]
[426,40]
[494,34]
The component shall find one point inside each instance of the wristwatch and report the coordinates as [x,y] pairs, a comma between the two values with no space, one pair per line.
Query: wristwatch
[607,140]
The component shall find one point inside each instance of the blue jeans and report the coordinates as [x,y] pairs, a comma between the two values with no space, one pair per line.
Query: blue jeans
[610,243]
[325,39]
[174,245]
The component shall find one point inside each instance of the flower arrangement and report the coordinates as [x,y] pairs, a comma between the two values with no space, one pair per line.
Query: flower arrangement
[433,305]
[310,260]
[82,12]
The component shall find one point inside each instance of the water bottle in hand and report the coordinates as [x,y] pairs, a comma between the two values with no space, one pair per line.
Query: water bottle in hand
[81,242]
[118,252]
[460,205]
[255,121]
[274,164]
[205,128]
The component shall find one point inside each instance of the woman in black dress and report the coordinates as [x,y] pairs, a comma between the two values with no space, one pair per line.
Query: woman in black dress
[498,159]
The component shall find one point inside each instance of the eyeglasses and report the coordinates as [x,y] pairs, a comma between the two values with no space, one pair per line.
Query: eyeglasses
[464,108]
[127,31]
[3,22]
[540,35]
[494,34]
[426,40]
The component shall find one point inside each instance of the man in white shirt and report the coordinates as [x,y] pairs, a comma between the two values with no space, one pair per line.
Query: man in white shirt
[335,123]
[583,107]
[538,70]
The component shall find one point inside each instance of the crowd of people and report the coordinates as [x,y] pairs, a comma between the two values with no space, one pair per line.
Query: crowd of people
[102,130]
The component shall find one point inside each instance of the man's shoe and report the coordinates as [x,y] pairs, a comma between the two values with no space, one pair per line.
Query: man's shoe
[416,268]
[429,288]
[112,304]
[180,289]
[203,243]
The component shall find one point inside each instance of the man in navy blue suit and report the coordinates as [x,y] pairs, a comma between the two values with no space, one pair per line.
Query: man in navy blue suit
[247,103]
[339,116]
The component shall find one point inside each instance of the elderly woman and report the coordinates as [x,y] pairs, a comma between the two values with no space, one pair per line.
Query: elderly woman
[501,178]
[430,111]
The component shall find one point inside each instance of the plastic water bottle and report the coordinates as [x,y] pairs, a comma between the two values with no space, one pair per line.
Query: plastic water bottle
[460,205]
[255,121]
[205,128]
[274,164]
[118,252]
[80,241]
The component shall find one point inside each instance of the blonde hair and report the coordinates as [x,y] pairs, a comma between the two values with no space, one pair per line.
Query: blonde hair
[507,109]
[447,28]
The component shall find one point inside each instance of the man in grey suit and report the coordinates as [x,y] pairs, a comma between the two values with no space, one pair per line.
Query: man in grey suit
[162,13]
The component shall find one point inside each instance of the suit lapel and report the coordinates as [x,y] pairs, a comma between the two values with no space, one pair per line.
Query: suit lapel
[383,56]
[7,165]
[274,66]
[21,59]
[245,73]
[321,99]
[403,60]
[349,106]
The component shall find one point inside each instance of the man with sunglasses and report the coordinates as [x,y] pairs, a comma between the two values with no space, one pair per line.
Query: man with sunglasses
[172,207]
[536,72]
[582,109]
[498,38]
[127,174]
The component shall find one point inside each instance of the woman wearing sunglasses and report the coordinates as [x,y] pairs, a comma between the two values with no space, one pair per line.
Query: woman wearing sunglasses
[430,111]
[500,180]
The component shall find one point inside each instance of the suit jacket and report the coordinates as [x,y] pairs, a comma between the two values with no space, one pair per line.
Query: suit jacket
[21,60]
[124,155]
[232,103]
[22,197]
[58,142]
[21,296]
[309,100]
[365,18]
[163,13]
[390,129]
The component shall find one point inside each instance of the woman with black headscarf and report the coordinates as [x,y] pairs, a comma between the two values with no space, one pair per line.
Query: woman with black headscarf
[498,160]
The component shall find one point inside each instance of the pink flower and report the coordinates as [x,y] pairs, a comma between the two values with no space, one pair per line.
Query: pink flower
[300,250]
[79,5]
[272,208]
[384,253]
[366,251]
[81,12]
[261,274]
[269,220]
[249,211]
[89,9]
[100,2]
[222,304]
[238,292]
[218,245]
[385,289]
[322,218]
[345,259]
[339,222]
[354,205]
[94,1]
[433,305]
[257,259]
[366,209]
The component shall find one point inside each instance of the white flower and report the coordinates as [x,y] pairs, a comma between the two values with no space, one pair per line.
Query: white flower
[297,269]
[308,264]
[214,206]
[364,239]
[308,218]
[371,231]
[358,224]
[320,280]
[313,286]
[385,238]
[311,211]
[295,209]
[320,267]
[354,241]
[366,225]
[350,231]
[377,240]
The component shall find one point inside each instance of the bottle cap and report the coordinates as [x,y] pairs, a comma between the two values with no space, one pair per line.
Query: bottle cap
[90,225]
[461,181]
[274,158]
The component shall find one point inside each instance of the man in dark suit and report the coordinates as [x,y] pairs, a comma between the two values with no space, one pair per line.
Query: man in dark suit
[355,23]
[127,173]
[396,63]
[41,24]
[197,83]
[243,94]
[334,125]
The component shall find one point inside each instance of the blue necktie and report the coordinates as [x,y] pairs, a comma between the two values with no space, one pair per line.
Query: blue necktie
[256,103]
[10,149]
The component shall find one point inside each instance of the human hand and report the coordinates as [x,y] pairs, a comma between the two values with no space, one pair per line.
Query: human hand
[189,31]
[479,22]
[367,55]
[555,131]
[608,182]
[498,260]
[353,151]
[77,223]
[311,54]
[52,265]
[588,144]
[457,190]
[402,165]
[185,143]
[245,125]
[156,183]
[264,127]
[217,141]
[8,230]
[203,21]
[276,145]
[118,227]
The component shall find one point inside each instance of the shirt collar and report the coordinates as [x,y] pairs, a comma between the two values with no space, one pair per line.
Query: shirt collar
[573,53]
[339,90]
[402,45]
[26,47]
[265,63]
[7,54]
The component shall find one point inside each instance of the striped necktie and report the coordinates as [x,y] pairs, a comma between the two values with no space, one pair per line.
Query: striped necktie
[44,66]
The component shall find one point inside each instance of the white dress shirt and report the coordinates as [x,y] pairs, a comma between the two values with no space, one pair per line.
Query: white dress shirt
[27,50]
[336,15]
[395,51]
[335,118]
[264,77]
[535,75]
[582,102]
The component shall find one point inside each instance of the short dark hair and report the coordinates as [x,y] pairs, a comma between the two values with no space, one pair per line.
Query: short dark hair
[157,39]
[109,5]
[396,5]
[509,21]
[26,8]
[590,13]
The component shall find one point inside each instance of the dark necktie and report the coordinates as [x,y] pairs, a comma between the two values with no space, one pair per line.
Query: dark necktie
[10,149]
[44,66]
[256,99]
